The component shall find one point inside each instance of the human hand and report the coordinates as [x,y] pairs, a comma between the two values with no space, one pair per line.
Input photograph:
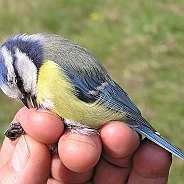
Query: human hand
[80,158]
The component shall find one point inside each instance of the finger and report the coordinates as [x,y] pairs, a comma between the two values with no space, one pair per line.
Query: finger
[24,165]
[151,164]
[60,173]
[119,143]
[7,150]
[108,173]
[42,126]
[79,153]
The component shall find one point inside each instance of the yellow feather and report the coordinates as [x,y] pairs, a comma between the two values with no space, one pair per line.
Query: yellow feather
[56,93]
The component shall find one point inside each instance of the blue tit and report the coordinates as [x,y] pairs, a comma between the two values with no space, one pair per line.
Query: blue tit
[50,72]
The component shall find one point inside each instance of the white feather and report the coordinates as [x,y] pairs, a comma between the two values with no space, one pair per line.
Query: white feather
[27,71]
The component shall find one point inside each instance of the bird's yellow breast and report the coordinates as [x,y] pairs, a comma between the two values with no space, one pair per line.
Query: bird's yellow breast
[56,93]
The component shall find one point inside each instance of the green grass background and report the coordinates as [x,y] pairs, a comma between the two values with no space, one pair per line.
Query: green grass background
[141,43]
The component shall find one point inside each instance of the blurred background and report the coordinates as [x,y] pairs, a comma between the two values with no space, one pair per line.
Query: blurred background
[141,44]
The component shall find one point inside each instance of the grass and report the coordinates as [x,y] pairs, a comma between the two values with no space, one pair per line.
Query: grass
[139,42]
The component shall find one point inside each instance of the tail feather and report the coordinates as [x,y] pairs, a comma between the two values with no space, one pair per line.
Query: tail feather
[156,138]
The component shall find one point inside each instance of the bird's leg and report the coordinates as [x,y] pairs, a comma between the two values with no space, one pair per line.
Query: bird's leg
[14,131]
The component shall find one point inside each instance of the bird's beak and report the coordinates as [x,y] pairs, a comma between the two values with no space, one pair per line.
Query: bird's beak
[29,101]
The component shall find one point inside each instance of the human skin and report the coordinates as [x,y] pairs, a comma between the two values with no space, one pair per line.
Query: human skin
[117,155]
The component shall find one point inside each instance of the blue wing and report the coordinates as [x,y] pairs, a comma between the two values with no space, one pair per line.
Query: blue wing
[90,89]
[109,94]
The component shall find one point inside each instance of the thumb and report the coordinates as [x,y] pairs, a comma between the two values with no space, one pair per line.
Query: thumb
[28,162]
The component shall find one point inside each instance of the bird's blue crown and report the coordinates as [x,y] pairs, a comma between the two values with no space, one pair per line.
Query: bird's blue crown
[29,45]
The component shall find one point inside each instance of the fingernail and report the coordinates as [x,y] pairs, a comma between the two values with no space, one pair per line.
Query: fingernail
[21,155]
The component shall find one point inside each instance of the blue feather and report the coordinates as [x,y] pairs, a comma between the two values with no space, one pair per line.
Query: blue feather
[112,96]
[156,138]
[3,71]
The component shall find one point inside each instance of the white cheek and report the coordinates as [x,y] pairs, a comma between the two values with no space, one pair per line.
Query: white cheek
[11,92]
[27,71]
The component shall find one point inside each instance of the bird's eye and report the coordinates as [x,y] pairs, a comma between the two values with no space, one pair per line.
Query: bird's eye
[19,82]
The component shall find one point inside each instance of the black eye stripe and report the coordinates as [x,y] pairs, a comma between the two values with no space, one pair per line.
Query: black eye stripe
[20,84]
[18,79]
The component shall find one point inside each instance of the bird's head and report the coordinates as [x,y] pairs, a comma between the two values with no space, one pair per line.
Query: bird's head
[20,59]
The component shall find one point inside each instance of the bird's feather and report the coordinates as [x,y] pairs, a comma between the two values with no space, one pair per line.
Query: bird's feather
[158,139]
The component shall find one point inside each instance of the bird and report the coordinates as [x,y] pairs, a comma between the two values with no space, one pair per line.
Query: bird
[48,71]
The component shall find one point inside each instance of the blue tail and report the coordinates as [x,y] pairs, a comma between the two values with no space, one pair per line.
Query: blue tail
[156,138]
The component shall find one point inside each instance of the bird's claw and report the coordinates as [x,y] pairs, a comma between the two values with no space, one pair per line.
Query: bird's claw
[14,131]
